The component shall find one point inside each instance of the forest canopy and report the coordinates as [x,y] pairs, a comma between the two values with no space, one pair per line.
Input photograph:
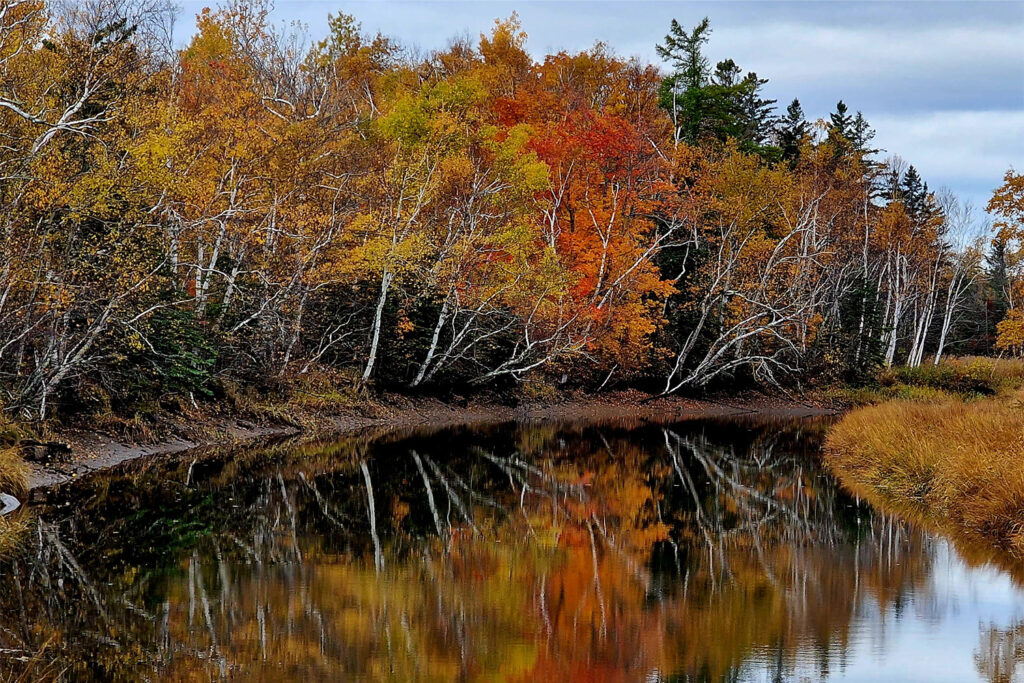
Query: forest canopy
[256,208]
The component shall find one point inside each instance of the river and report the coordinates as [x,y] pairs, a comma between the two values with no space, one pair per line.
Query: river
[626,550]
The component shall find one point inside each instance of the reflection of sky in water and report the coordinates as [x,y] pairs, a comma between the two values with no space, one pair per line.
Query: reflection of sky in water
[935,637]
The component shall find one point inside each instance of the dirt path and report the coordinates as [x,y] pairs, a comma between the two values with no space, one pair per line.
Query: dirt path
[93,452]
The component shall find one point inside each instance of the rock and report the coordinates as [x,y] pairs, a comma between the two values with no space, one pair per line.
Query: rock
[48,451]
[10,504]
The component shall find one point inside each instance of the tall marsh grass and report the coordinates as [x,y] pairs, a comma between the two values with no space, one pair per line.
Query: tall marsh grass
[13,481]
[13,471]
[961,462]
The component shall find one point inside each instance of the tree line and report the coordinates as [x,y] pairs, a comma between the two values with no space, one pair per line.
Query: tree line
[257,208]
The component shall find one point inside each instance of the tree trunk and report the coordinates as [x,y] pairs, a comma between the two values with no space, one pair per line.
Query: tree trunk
[441,319]
[385,284]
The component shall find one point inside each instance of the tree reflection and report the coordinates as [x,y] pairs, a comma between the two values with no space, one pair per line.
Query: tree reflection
[1000,653]
[691,552]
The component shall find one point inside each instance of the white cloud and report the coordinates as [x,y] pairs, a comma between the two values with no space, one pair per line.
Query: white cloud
[803,52]
[967,151]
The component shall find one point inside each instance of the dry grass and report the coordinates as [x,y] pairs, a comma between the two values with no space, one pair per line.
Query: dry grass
[13,480]
[137,428]
[965,375]
[298,400]
[13,471]
[966,378]
[961,462]
[324,392]
[31,667]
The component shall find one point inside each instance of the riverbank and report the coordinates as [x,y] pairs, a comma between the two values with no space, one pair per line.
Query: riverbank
[955,455]
[85,451]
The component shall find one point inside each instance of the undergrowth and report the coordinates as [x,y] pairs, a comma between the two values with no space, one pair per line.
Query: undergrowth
[13,481]
[966,378]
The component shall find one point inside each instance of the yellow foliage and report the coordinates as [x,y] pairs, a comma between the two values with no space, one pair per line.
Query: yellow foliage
[1010,332]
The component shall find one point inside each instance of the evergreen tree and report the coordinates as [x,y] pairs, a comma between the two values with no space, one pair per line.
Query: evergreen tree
[756,113]
[713,107]
[889,184]
[861,133]
[790,132]
[914,194]
[860,330]
[997,280]
[851,130]
[682,93]
[683,50]
[842,123]
[727,73]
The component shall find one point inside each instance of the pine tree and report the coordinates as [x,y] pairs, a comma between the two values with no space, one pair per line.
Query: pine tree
[850,131]
[842,122]
[713,107]
[683,50]
[997,280]
[860,330]
[682,93]
[790,131]
[861,133]
[914,194]
[756,113]
[727,73]
[889,185]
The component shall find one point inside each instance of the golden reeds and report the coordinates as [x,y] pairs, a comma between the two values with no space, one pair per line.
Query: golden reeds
[13,481]
[960,461]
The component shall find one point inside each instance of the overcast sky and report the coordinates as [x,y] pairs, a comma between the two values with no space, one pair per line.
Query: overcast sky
[941,82]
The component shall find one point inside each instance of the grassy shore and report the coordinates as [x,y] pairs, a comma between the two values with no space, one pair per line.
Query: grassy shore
[13,478]
[951,444]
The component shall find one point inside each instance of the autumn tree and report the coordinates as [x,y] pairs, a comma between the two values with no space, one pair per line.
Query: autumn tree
[1007,206]
[264,210]
[77,240]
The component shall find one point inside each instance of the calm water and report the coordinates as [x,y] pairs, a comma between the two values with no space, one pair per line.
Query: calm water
[696,551]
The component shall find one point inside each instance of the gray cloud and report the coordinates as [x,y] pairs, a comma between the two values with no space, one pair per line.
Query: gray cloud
[967,151]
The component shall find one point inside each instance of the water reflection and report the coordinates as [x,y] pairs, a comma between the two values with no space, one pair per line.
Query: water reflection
[698,551]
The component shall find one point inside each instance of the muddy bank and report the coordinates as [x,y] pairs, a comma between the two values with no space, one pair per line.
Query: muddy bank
[92,452]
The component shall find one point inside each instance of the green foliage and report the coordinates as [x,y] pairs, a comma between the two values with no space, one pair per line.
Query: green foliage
[849,131]
[966,378]
[684,51]
[859,338]
[997,282]
[714,107]
[175,355]
[792,131]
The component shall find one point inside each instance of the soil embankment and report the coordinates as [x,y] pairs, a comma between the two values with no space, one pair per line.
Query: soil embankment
[91,451]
